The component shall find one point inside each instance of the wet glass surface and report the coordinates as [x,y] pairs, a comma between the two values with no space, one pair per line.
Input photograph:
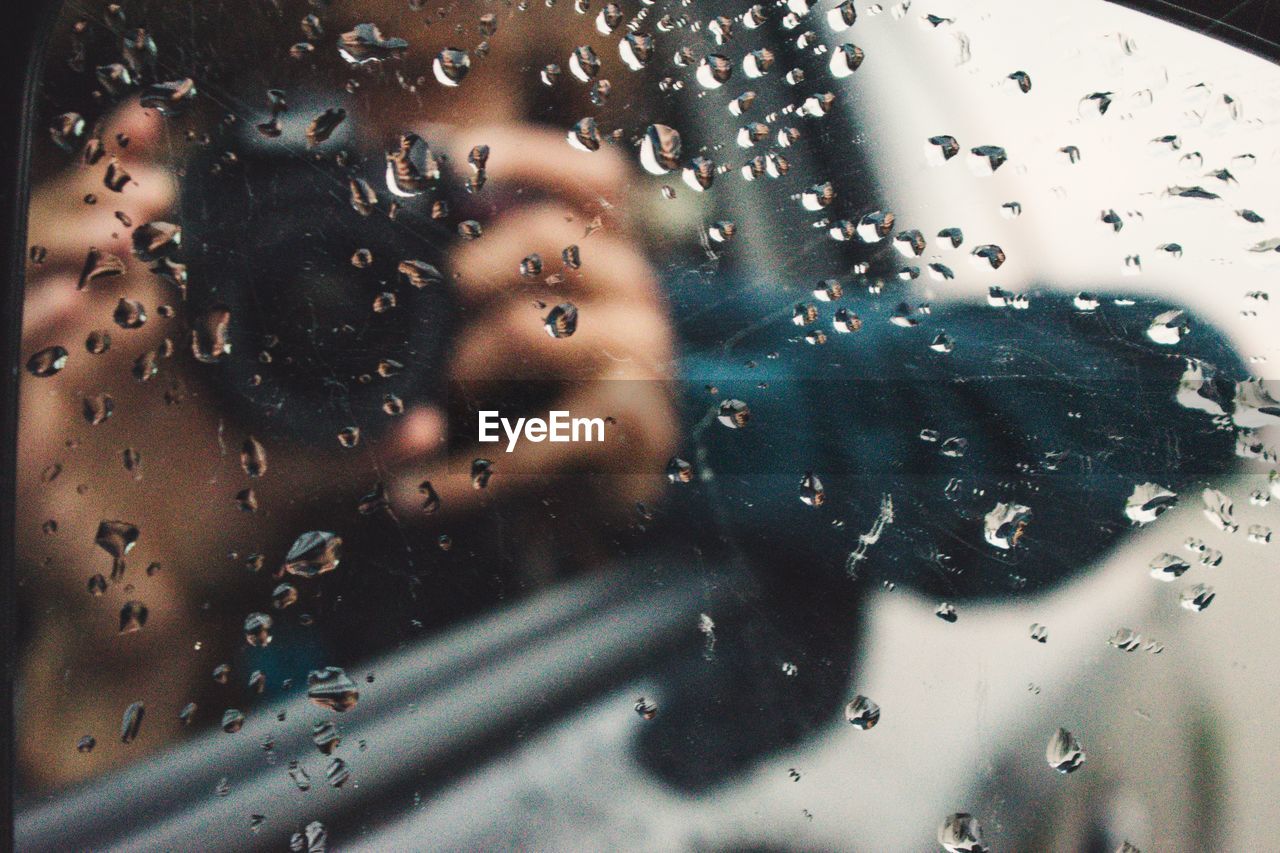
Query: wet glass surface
[921,448]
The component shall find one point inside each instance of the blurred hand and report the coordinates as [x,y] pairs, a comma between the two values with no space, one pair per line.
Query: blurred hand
[612,366]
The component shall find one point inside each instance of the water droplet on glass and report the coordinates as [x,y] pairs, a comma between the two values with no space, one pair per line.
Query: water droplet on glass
[1064,752]
[169,98]
[132,617]
[646,709]
[117,538]
[1220,510]
[313,553]
[734,414]
[451,66]
[257,629]
[961,833]
[1197,598]
[562,320]
[129,314]
[99,264]
[1004,525]
[131,722]
[331,688]
[811,490]
[337,773]
[48,361]
[862,713]
[1148,502]
[232,721]
[1167,567]
[660,149]
[325,736]
[210,338]
[323,125]
[365,43]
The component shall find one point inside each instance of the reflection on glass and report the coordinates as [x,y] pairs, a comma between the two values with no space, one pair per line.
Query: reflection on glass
[903,328]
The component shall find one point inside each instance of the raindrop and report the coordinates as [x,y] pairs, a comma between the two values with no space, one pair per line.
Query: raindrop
[812,492]
[961,833]
[1148,502]
[303,783]
[940,149]
[636,50]
[232,721]
[170,98]
[1064,752]
[583,64]
[419,274]
[99,264]
[1167,567]
[842,17]
[561,321]
[117,538]
[331,688]
[608,19]
[862,713]
[283,596]
[986,159]
[990,253]
[1220,510]
[116,176]
[67,130]
[845,60]
[714,70]
[210,339]
[132,617]
[129,314]
[1004,525]
[660,149]
[257,629]
[47,362]
[845,321]
[363,197]
[585,135]
[451,66]
[323,125]
[734,414]
[366,44]
[1168,328]
[131,723]
[757,63]
[1197,598]
[411,167]
[349,436]
[253,457]
[337,773]
[313,553]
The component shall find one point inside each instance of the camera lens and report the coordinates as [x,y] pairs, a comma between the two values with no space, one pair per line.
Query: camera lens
[325,331]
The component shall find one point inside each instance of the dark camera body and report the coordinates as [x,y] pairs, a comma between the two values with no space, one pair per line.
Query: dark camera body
[325,333]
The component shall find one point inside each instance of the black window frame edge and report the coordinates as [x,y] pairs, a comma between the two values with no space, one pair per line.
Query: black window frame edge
[29,25]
